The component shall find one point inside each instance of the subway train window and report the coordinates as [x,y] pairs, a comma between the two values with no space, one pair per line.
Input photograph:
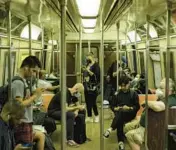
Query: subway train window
[172,69]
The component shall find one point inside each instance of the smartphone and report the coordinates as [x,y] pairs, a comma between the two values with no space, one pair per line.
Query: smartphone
[27,145]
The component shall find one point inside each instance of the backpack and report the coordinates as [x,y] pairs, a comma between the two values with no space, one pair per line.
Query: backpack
[41,118]
[4,92]
[112,100]
[80,129]
[48,143]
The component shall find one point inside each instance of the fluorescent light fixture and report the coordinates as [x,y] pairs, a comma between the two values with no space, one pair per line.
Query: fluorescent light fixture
[89,23]
[131,36]
[88,7]
[54,42]
[35,32]
[152,31]
[89,30]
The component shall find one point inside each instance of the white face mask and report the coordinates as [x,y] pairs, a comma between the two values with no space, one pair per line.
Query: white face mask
[77,94]
[160,93]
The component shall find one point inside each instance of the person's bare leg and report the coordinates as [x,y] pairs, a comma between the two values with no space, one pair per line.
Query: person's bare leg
[39,137]
[134,146]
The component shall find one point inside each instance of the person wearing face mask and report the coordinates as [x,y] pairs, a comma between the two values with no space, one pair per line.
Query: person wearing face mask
[10,117]
[125,108]
[135,130]
[91,81]
[73,108]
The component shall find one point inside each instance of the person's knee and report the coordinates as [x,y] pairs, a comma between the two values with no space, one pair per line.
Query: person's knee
[39,136]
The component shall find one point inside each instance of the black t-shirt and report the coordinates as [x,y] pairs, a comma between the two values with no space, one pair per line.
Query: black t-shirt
[55,104]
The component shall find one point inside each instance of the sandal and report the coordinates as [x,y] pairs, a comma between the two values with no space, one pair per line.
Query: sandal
[72,143]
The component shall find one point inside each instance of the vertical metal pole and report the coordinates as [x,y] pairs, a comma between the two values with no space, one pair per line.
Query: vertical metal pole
[52,51]
[30,45]
[30,37]
[77,63]
[57,58]
[146,82]
[169,5]
[80,52]
[101,57]
[89,46]
[117,55]
[63,73]
[9,52]
[138,68]
[42,44]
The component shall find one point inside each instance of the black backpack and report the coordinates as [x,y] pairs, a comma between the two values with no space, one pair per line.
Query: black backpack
[4,92]
[80,129]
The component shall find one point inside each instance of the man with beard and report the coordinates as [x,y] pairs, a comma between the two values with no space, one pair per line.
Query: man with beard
[10,116]
[125,108]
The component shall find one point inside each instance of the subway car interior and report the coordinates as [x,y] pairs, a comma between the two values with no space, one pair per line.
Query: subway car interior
[101,74]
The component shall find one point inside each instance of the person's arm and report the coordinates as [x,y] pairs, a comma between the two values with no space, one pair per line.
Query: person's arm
[136,104]
[18,93]
[73,108]
[156,105]
[52,88]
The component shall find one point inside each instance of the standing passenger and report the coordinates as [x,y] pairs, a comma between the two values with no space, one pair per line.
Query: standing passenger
[91,83]
[21,92]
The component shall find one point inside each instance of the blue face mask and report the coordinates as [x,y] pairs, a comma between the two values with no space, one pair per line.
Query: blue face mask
[77,94]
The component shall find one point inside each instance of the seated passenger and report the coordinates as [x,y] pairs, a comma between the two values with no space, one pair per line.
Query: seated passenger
[10,116]
[135,130]
[142,87]
[73,108]
[42,83]
[126,108]
[134,82]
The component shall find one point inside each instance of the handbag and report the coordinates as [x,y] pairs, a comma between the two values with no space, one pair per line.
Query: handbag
[92,86]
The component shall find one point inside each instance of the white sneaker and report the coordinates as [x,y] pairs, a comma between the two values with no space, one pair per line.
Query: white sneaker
[89,119]
[96,119]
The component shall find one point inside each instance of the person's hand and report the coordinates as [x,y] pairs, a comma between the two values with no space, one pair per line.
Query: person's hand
[81,107]
[108,78]
[76,113]
[39,91]
[125,107]
[84,68]
[117,108]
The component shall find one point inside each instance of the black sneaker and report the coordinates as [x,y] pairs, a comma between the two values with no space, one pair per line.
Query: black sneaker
[121,146]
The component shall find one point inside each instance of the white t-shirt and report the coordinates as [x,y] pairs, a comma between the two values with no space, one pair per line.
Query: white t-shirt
[44,84]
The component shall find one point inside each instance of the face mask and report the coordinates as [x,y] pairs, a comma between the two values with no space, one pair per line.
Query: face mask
[88,61]
[159,93]
[77,94]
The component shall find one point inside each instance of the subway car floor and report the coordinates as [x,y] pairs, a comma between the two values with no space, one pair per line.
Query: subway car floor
[93,132]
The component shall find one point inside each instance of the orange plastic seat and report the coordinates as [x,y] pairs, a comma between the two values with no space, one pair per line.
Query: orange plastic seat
[151,97]
[46,100]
